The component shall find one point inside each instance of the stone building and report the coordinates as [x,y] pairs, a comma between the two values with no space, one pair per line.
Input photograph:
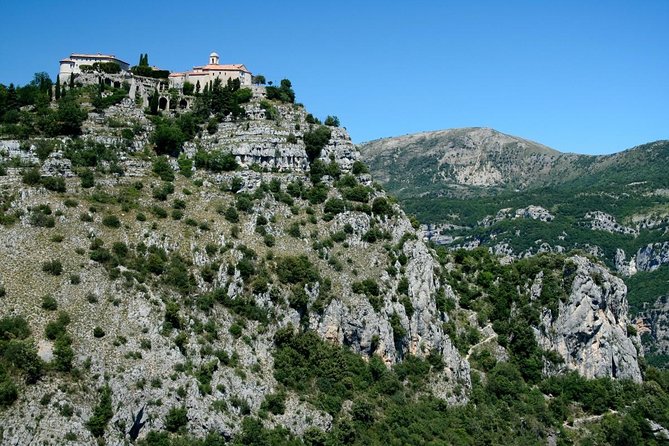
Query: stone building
[72,65]
[208,73]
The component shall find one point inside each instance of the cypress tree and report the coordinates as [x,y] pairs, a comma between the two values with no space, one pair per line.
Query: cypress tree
[153,103]
[57,89]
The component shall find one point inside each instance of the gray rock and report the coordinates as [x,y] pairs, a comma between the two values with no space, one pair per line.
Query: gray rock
[590,331]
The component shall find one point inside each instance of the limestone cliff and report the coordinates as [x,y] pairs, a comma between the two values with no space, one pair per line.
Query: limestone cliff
[590,331]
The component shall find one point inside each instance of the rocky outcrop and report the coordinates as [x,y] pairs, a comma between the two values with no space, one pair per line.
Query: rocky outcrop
[601,221]
[353,321]
[647,259]
[590,330]
[652,256]
[277,144]
[532,212]
[654,322]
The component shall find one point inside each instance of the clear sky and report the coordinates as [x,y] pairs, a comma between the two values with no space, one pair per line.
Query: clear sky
[581,76]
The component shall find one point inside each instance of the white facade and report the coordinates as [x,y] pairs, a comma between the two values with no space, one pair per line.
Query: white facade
[73,64]
[208,73]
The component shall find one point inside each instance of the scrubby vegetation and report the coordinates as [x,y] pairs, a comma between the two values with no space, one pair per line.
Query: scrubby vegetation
[224,272]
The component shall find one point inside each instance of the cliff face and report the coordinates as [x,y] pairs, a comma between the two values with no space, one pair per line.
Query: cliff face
[196,330]
[590,331]
[172,291]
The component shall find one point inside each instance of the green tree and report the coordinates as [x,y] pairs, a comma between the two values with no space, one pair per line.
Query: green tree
[331,121]
[168,139]
[102,413]
[69,117]
[153,103]
[314,141]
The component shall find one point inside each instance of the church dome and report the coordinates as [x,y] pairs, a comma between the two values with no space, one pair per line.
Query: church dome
[213,54]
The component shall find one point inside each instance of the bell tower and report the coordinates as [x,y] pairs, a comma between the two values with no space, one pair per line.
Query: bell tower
[213,59]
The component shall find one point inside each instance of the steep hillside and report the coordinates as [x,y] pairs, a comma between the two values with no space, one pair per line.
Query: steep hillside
[523,202]
[232,274]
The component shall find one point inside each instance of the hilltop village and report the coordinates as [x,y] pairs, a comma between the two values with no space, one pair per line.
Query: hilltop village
[143,80]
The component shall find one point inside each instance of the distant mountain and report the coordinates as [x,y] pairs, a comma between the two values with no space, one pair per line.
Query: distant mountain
[477,186]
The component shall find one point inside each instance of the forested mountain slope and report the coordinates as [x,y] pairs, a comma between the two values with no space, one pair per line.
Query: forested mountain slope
[478,186]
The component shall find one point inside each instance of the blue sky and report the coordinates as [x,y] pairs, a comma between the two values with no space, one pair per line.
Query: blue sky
[579,76]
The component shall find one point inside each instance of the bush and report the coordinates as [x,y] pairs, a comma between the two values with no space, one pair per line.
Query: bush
[87,178]
[111,221]
[102,413]
[56,184]
[275,403]
[380,206]
[216,161]
[163,169]
[13,327]
[359,168]
[63,353]
[31,177]
[334,206]
[8,392]
[53,267]
[176,419]
[297,269]
[231,214]
[49,303]
[368,287]
[283,93]
[357,193]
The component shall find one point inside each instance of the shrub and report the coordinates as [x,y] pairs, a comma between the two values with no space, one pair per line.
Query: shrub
[380,206]
[275,403]
[231,214]
[49,303]
[53,267]
[297,269]
[368,287]
[55,329]
[359,168]
[111,221]
[31,177]
[41,217]
[63,353]
[216,161]
[176,419]
[294,230]
[357,193]
[102,413]
[159,212]
[334,206]
[13,327]
[87,178]
[167,139]
[162,168]
[56,184]
[8,392]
